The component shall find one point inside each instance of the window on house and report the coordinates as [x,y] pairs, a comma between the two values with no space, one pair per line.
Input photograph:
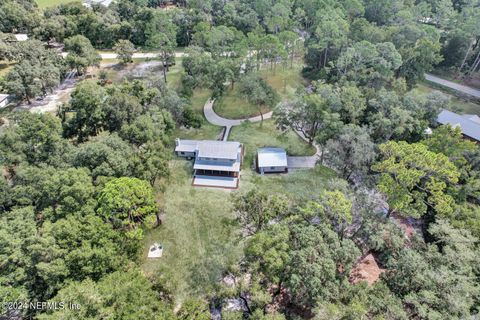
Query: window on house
[182,152]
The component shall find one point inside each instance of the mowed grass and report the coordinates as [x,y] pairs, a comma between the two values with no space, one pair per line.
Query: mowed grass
[207,131]
[285,80]
[456,104]
[232,105]
[51,3]
[258,135]
[199,235]
[298,185]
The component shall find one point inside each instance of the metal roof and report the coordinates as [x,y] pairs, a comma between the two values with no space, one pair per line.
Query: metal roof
[218,149]
[272,157]
[217,166]
[468,123]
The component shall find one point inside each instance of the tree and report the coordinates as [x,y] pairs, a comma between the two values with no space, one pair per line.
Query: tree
[166,47]
[267,253]
[35,139]
[105,156]
[128,203]
[310,115]
[124,50]
[118,295]
[87,103]
[256,208]
[258,92]
[415,179]
[193,309]
[318,262]
[81,53]
[435,280]
[351,152]
[331,31]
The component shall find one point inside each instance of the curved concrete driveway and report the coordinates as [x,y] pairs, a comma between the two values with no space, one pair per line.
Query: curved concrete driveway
[293,162]
[215,119]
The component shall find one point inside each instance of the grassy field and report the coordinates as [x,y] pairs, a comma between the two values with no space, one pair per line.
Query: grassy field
[207,131]
[233,106]
[256,135]
[5,67]
[284,80]
[50,3]
[456,104]
[199,236]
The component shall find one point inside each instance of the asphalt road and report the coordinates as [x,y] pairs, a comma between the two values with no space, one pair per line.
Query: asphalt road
[452,85]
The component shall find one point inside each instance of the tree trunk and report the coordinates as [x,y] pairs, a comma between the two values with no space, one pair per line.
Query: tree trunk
[325,57]
[465,58]
[164,72]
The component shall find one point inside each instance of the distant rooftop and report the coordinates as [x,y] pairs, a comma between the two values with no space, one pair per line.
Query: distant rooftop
[272,157]
[468,123]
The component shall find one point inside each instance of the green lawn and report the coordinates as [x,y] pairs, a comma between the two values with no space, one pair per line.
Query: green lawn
[199,236]
[297,185]
[284,80]
[456,104]
[233,106]
[50,3]
[256,135]
[207,131]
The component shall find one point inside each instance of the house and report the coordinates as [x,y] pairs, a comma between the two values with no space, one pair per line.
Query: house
[468,123]
[4,99]
[272,160]
[216,163]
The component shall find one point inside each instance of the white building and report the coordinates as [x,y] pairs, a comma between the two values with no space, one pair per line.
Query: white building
[272,160]
[217,163]
[4,99]
[468,123]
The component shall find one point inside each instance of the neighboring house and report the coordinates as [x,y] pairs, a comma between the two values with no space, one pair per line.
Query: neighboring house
[468,123]
[272,160]
[217,163]
[4,99]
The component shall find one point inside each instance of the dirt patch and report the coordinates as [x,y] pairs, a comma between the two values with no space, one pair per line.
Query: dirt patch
[366,269]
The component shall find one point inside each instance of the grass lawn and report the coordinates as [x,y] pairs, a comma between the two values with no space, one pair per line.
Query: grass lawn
[199,236]
[50,3]
[256,135]
[207,131]
[174,74]
[233,106]
[297,185]
[284,80]
[456,104]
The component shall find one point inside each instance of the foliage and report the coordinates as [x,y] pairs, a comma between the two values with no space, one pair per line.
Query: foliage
[415,179]
[128,203]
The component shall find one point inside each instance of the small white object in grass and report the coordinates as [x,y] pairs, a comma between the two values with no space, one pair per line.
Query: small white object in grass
[155,251]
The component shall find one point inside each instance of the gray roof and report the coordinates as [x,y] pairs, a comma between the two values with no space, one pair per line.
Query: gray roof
[3,96]
[216,165]
[218,149]
[272,157]
[468,123]
[228,150]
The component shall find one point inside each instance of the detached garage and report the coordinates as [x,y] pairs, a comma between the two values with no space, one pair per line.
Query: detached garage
[272,160]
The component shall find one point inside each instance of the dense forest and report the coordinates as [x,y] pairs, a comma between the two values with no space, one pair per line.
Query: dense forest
[81,188]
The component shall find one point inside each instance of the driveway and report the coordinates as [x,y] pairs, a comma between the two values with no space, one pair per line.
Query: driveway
[452,85]
[215,119]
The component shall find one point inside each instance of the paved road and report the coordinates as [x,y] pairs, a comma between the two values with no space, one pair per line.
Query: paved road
[452,85]
[137,55]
